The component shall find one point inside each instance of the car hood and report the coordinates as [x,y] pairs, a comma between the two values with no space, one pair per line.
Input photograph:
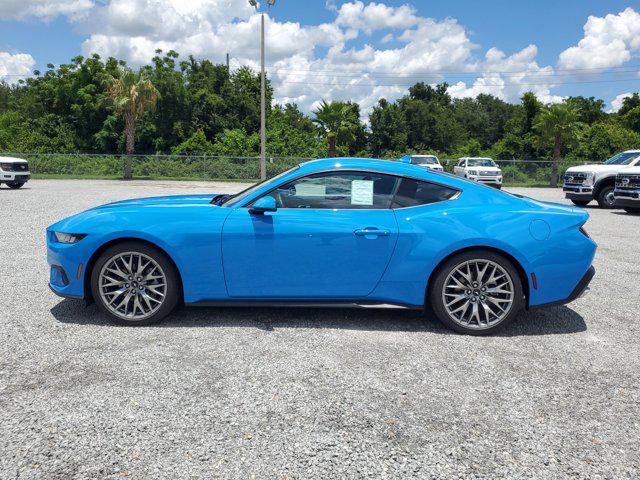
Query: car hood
[597,168]
[112,215]
[169,200]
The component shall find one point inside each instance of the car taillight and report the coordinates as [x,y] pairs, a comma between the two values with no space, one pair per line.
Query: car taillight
[584,232]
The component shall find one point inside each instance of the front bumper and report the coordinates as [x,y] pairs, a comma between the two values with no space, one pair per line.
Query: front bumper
[497,180]
[67,262]
[578,192]
[14,177]
[579,291]
[627,197]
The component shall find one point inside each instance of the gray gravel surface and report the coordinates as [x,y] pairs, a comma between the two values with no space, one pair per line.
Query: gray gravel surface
[295,393]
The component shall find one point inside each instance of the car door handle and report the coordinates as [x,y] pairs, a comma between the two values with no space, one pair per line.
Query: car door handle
[371,231]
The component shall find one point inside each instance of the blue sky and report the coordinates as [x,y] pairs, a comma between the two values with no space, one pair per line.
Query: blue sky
[355,50]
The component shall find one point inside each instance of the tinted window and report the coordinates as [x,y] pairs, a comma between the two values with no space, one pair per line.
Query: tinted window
[414,192]
[339,190]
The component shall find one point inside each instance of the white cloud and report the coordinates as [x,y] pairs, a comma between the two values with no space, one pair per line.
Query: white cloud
[43,9]
[524,75]
[608,42]
[376,16]
[14,67]
[616,103]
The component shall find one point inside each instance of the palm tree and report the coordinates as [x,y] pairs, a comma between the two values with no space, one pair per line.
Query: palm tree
[558,123]
[339,122]
[132,94]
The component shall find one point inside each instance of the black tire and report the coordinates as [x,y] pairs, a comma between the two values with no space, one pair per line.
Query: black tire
[15,185]
[632,210]
[580,203]
[435,293]
[173,287]
[605,197]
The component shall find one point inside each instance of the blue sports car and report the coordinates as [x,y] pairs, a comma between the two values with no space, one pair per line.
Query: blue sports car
[333,232]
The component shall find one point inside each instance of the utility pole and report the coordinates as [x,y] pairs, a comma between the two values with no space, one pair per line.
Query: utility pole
[263,94]
[263,107]
[228,69]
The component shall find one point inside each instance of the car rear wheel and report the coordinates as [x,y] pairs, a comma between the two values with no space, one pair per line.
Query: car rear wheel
[605,198]
[135,283]
[15,185]
[580,203]
[476,293]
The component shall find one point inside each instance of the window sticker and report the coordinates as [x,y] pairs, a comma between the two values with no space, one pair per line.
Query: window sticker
[362,192]
[310,189]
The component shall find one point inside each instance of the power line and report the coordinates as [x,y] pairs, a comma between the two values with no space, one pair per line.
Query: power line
[550,83]
[319,73]
[447,72]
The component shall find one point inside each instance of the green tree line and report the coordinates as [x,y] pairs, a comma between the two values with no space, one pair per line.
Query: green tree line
[196,107]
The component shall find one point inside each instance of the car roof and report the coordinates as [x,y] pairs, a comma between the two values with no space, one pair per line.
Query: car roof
[382,166]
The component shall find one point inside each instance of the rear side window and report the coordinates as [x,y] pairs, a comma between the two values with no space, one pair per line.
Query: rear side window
[412,193]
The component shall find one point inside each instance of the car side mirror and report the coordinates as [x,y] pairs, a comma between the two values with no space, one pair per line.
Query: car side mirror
[262,205]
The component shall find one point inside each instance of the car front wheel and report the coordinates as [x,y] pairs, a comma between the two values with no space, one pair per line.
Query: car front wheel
[476,292]
[135,283]
[632,210]
[15,185]
[605,198]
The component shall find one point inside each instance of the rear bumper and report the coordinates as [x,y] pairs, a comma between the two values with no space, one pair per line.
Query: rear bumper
[581,289]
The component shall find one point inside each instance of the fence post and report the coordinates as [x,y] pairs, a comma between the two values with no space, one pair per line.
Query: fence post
[127,168]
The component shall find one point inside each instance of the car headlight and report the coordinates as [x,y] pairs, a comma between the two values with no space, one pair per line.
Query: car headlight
[472,172]
[69,237]
[589,179]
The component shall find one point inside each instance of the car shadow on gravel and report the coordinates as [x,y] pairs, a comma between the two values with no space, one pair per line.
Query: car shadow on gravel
[550,321]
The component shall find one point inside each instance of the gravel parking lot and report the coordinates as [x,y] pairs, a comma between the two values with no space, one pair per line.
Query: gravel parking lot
[295,393]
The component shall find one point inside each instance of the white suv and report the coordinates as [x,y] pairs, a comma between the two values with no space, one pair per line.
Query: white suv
[14,172]
[427,161]
[483,170]
[627,192]
[597,182]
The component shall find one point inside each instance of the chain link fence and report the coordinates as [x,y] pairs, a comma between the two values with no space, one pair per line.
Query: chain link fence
[173,167]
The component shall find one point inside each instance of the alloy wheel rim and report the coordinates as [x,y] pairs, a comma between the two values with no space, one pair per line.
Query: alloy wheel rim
[132,285]
[478,294]
[610,198]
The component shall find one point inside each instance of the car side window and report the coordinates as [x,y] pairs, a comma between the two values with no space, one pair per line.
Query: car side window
[412,193]
[337,190]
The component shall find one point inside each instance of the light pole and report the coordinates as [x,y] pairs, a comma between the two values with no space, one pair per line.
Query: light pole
[263,95]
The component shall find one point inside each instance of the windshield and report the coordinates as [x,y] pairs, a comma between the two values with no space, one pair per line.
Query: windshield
[424,160]
[480,162]
[228,200]
[624,158]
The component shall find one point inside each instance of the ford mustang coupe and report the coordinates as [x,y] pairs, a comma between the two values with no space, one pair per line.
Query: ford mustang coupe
[334,232]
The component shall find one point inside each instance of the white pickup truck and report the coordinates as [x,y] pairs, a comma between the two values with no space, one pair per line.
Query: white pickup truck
[597,182]
[627,192]
[483,170]
[14,172]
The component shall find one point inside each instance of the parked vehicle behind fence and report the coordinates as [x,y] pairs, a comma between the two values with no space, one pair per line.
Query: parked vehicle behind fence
[14,172]
[585,183]
[426,161]
[627,191]
[480,169]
